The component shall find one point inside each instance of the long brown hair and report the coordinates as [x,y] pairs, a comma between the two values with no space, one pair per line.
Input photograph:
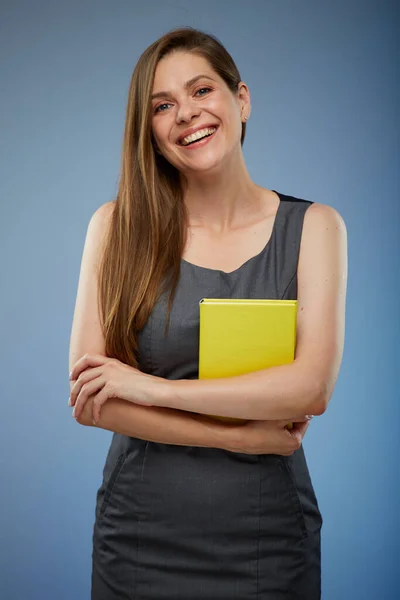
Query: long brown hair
[147,231]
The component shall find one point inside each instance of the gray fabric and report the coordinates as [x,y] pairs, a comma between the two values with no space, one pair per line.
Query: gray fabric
[187,523]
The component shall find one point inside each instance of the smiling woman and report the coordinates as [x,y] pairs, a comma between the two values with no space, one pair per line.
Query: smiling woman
[194,112]
[191,508]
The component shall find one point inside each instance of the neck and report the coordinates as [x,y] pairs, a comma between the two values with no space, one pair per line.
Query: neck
[223,199]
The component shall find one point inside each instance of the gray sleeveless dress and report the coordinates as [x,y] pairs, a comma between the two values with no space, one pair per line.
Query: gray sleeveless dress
[188,523]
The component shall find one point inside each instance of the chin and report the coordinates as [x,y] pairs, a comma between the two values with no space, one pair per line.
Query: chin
[203,164]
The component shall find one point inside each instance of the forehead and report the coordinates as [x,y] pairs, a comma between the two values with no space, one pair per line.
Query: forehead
[178,67]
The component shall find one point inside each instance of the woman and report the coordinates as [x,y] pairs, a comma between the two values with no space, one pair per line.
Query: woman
[191,508]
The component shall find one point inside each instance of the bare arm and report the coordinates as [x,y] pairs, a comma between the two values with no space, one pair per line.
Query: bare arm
[305,386]
[169,426]
[162,425]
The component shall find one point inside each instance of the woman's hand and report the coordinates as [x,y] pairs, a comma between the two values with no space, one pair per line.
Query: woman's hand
[110,378]
[268,437]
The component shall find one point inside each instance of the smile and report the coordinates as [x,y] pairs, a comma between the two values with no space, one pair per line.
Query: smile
[200,138]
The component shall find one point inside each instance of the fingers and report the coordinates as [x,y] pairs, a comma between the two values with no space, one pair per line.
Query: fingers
[87,360]
[301,428]
[298,432]
[83,379]
[88,389]
[98,402]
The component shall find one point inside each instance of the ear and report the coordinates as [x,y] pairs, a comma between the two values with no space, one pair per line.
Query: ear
[244,101]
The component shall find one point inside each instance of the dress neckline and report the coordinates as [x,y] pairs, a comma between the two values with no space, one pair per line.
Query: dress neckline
[267,245]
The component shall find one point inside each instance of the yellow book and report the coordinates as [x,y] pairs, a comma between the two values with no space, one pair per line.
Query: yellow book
[239,336]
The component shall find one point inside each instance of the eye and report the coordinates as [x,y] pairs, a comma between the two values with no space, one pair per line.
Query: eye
[207,89]
[159,108]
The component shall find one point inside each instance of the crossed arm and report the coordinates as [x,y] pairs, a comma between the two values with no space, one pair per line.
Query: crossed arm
[303,387]
[163,425]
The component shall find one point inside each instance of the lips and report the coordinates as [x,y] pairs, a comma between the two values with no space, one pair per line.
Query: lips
[193,130]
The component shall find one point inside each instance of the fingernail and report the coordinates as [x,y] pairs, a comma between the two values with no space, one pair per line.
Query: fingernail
[94,422]
[73,412]
[69,401]
[309,417]
[70,375]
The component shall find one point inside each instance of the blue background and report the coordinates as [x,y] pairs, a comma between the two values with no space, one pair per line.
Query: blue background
[324,126]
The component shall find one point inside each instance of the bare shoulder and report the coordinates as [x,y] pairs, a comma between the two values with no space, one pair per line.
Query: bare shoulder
[324,237]
[320,215]
[323,241]
[102,215]
[106,209]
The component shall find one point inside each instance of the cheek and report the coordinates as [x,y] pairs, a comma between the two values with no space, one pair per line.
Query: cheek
[162,135]
[160,131]
[230,118]
[233,126]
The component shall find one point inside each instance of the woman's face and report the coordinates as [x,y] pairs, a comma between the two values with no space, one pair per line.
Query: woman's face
[190,99]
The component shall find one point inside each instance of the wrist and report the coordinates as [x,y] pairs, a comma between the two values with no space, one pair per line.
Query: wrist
[162,392]
[236,437]
[228,435]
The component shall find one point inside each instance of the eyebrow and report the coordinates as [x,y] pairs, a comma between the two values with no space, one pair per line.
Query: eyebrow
[187,85]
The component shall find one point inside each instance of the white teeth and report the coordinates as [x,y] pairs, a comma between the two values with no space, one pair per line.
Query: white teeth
[198,135]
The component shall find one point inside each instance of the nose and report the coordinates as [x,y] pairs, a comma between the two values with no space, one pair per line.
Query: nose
[187,110]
